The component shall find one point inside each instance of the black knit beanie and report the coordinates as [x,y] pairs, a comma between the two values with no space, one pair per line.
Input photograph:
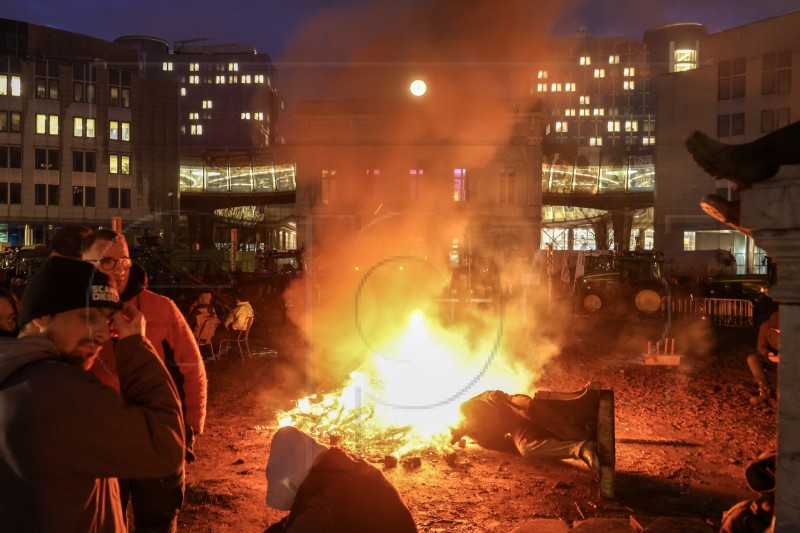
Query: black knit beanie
[62,284]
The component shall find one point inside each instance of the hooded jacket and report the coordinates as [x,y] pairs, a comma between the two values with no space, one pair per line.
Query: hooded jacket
[65,437]
[174,342]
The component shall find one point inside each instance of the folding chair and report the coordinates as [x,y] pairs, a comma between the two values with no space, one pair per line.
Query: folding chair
[242,338]
[205,336]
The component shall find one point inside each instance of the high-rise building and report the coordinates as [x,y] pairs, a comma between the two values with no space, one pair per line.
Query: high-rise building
[83,137]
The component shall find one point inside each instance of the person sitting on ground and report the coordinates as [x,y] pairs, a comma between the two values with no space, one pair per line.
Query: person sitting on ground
[325,489]
[66,436]
[767,357]
[9,311]
[504,422]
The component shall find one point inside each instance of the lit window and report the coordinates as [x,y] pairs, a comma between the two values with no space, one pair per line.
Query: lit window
[246,78]
[245,115]
[631,125]
[197,129]
[542,75]
[541,87]
[685,60]
[613,60]
[584,112]
[113,164]
[90,128]
[585,60]
[233,67]
[569,87]
[561,127]
[194,67]
[569,112]
[629,72]
[125,164]
[613,125]
[52,121]
[193,80]
[166,66]
[183,91]
[77,127]
[599,73]
[555,87]
[219,80]
[207,104]
[595,141]
[125,129]
[113,130]
[585,100]
[233,79]
[258,116]
[628,85]
[41,123]
[194,116]
[259,78]
[460,184]
[16,86]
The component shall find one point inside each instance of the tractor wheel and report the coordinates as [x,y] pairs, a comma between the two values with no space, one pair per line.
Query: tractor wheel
[593,302]
[647,298]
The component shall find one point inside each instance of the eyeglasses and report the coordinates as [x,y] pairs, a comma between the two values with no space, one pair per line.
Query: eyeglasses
[109,263]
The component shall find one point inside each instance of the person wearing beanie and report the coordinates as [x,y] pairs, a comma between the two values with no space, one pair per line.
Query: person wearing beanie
[66,436]
[156,502]
[325,489]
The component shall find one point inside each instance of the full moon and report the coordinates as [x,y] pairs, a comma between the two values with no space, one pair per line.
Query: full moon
[418,87]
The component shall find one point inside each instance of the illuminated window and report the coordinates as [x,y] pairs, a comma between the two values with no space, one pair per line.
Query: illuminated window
[599,73]
[194,116]
[542,75]
[197,129]
[613,125]
[258,116]
[193,80]
[119,164]
[631,125]
[16,86]
[598,112]
[628,85]
[219,80]
[194,67]
[113,164]
[113,130]
[233,79]
[595,141]
[584,112]
[569,87]
[207,104]
[648,141]
[541,87]
[246,78]
[460,185]
[125,131]
[569,112]
[245,115]
[555,87]
[561,127]
[183,91]
[585,60]
[258,78]
[684,60]
[585,100]
[233,67]
[77,126]
[46,124]
[166,66]
[613,60]
[629,72]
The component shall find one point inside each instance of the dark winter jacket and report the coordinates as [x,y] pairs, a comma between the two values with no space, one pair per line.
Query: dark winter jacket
[65,437]
[343,494]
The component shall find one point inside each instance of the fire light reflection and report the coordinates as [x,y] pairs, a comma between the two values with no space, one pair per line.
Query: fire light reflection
[406,398]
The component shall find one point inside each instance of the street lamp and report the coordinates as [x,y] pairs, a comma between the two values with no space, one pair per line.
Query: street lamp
[418,87]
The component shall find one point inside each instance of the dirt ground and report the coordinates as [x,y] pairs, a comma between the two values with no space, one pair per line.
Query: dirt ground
[683,436]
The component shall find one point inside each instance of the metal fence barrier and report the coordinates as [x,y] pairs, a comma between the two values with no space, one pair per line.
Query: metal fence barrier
[719,311]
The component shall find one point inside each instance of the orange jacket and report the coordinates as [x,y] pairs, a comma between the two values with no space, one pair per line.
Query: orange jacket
[167,330]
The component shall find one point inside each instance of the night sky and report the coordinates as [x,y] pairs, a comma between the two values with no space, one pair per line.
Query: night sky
[272,25]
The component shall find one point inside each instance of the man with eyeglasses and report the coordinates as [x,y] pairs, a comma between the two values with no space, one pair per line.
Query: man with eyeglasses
[156,503]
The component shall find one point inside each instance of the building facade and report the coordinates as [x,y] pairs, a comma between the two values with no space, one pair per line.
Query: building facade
[83,137]
[747,85]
